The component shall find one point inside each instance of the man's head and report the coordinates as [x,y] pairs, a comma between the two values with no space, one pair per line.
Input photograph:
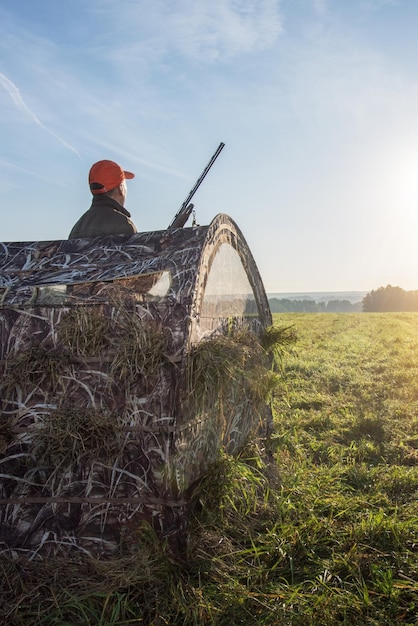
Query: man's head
[107,177]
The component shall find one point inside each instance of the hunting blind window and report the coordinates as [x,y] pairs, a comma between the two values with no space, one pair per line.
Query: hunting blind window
[146,288]
[228,292]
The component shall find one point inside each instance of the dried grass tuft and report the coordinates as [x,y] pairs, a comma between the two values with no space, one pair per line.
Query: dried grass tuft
[68,435]
[138,350]
[35,366]
[275,341]
[238,365]
[85,332]
[79,589]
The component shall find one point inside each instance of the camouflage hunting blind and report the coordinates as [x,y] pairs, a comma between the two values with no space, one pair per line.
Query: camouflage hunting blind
[119,383]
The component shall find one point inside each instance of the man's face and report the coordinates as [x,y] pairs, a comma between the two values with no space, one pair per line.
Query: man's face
[123,191]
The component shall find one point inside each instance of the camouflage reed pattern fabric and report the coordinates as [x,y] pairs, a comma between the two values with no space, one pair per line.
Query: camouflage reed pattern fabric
[99,425]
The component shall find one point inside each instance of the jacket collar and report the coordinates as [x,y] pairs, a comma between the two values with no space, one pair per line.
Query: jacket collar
[110,202]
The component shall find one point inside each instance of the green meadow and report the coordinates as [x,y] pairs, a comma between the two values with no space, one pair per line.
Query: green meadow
[317,526]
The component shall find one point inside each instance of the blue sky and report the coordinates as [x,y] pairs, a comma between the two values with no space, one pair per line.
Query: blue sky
[316,101]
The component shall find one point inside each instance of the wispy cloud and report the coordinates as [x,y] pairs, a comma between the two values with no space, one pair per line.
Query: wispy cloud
[14,93]
[197,30]
[131,156]
[226,28]
[9,182]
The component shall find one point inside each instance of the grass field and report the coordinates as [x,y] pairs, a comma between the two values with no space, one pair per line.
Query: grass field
[346,446]
[320,529]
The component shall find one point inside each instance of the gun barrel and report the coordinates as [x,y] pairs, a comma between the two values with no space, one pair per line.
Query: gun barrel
[196,186]
[205,171]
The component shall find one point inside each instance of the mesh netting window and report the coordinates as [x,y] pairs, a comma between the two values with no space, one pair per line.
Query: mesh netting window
[228,292]
[145,288]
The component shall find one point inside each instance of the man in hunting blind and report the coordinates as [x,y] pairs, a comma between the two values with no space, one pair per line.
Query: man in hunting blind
[107,214]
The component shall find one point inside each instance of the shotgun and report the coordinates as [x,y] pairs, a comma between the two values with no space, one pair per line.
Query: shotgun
[186,208]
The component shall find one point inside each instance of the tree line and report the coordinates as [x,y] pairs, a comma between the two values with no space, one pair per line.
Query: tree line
[383,299]
[387,299]
[285,305]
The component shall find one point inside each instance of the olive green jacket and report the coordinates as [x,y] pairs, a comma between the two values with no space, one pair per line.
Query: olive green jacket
[104,217]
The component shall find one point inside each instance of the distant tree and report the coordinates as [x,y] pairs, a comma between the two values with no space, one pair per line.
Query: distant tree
[340,306]
[386,299]
[413,300]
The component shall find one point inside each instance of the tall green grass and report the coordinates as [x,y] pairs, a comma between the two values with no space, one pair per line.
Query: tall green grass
[319,527]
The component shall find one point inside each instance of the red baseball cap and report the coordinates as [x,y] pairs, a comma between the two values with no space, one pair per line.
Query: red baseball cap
[106,175]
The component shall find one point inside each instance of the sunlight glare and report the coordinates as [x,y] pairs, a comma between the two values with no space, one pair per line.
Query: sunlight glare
[405,188]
